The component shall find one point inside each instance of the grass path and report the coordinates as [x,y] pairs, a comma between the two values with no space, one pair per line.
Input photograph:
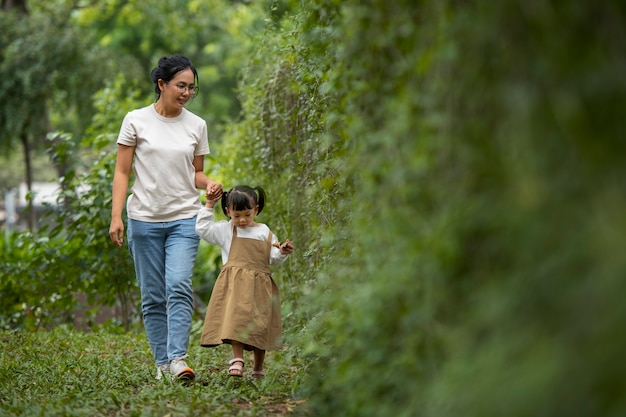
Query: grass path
[69,373]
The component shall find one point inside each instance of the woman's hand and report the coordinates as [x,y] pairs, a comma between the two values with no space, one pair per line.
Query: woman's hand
[116,232]
[213,193]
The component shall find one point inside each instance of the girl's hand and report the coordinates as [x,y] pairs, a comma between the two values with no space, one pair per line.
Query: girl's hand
[211,200]
[285,248]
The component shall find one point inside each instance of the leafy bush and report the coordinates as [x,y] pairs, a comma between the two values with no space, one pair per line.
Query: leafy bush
[44,271]
[467,263]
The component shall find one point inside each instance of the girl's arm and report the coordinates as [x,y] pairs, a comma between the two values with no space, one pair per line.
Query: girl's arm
[216,232]
[280,251]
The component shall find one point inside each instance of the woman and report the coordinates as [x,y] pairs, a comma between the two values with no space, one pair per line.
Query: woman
[167,144]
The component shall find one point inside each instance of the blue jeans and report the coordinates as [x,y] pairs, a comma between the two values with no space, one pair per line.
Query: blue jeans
[164,254]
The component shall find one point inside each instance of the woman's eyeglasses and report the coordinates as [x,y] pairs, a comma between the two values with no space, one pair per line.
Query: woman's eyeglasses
[191,89]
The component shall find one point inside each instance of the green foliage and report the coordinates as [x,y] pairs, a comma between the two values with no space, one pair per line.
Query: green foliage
[467,262]
[70,373]
[490,280]
[215,34]
[74,255]
[50,73]
[282,144]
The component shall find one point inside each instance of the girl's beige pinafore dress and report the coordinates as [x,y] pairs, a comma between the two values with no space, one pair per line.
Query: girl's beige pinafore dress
[245,303]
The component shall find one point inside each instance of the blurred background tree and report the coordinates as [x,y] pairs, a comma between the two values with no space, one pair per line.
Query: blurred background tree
[48,76]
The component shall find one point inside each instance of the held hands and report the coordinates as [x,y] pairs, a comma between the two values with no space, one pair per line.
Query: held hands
[213,193]
[285,248]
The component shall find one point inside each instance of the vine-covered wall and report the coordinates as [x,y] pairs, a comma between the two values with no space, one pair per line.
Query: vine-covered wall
[451,174]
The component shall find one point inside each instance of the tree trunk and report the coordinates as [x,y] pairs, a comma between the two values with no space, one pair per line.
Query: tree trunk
[30,209]
[17,5]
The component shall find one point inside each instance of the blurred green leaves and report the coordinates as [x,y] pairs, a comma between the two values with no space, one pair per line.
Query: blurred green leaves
[462,266]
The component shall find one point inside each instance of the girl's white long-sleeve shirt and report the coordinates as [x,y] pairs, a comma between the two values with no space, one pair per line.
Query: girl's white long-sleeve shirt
[221,233]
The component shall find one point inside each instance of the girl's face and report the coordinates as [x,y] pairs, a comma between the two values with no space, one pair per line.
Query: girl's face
[179,90]
[243,218]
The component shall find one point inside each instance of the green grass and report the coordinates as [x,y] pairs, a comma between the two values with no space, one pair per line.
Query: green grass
[66,372]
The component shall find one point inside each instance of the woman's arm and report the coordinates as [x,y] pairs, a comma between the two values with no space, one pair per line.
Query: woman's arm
[213,189]
[123,166]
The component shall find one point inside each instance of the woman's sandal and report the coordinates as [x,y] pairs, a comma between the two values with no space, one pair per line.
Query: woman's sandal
[258,374]
[236,370]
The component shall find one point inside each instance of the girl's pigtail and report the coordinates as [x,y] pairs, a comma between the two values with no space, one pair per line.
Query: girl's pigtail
[261,200]
[224,202]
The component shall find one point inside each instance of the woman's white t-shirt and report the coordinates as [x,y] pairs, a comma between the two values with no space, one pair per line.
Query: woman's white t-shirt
[164,176]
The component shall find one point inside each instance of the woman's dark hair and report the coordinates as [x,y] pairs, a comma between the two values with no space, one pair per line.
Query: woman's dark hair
[243,197]
[167,68]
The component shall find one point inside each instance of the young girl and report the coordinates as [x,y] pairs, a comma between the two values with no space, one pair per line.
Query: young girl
[244,309]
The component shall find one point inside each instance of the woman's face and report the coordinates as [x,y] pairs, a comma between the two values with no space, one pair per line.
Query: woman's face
[179,90]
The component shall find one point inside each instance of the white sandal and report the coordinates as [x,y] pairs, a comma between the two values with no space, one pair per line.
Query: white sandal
[258,374]
[236,367]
